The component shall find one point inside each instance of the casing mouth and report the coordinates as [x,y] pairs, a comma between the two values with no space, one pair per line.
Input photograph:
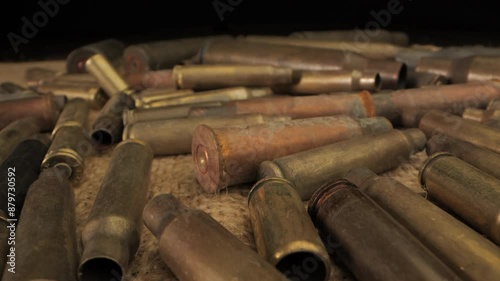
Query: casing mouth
[100,269]
[303,265]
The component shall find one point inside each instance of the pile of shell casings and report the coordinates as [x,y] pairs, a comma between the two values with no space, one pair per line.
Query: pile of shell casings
[313,117]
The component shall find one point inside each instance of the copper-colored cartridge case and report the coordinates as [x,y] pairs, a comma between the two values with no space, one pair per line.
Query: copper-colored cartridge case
[209,252]
[308,170]
[358,105]
[111,236]
[46,246]
[284,233]
[370,243]
[438,122]
[142,58]
[490,117]
[465,251]
[160,79]
[451,98]
[481,158]
[14,133]
[464,69]
[45,109]
[107,77]
[381,35]
[108,125]
[220,95]
[70,139]
[204,77]
[392,74]
[228,156]
[174,136]
[111,49]
[153,98]
[321,82]
[470,193]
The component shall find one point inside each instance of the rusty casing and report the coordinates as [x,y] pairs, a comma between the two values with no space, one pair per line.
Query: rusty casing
[321,82]
[46,246]
[142,58]
[490,117]
[14,133]
[160,113]
[451,98]
[284,233]
[153,98]
[228,156]
[392,73]
[462,69]
[465,251]
[467,191]
[349,221]
[211,252]
[107,77]
[70,140]
[111,49]
[94,95]
[205,77]
[174,136]
[111,235]
[357,105]
[438,122]
[108,125]
[44,109]
[308,170]
[381,35]
[159,79]
[220,95]
[481,158]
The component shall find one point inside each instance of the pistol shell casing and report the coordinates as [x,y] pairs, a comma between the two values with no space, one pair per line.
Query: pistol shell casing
[465,251]
[349,221]
[481,158]
[107,77]
[228,156]
[211,252]
[108,125]
[357,105]
[284,233]
[70,140]
[437,122]
[378,152]
[157,55]
[111,49]
[170,137]
[221,95]
[382,36]
[452,98]
[44,109]
[14,133]
[470,193]
[299,58]
[111,236]
[160,79]
[320,82]
[160,113]
[46,247]
[204,77]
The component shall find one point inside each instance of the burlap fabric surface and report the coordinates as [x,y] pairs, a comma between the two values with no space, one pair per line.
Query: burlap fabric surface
[175,175]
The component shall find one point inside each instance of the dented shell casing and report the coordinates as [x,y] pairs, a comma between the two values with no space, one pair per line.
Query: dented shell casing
[467,191]
[211,252]
[111,235]
[231,155]
[378,152]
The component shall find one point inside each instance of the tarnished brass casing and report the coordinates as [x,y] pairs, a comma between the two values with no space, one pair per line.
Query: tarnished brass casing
[111,49]
[210,251]
[470,193]
[107,77]
[231,155]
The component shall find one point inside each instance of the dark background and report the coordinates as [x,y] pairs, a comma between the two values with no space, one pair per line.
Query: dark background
[80,22]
